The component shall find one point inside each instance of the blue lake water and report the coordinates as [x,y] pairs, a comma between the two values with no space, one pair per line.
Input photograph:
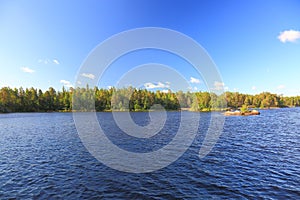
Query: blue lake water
[42,157]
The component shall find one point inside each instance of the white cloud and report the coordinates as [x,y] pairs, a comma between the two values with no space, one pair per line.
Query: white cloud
[109,87]
[27,70]
[219,85]
[289,36]
[48,61]
[280,87]
[195,88]
[66,83]
[165,91]
[158,85]
[56,62]
[90,76]
[194,80]
[45,61]
[253,87]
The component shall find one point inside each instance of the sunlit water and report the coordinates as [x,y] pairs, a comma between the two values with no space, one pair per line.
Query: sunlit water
[42,157]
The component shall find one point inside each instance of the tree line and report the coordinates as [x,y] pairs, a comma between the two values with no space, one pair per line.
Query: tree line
[132,99]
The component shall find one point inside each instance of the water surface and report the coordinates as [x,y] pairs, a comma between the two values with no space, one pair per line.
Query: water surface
[41,156]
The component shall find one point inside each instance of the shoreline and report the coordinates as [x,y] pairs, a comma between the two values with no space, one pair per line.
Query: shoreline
[180,110]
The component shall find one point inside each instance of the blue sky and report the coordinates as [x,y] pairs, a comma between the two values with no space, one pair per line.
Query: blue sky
[255,44]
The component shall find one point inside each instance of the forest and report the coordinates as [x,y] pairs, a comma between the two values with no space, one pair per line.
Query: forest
[132,99]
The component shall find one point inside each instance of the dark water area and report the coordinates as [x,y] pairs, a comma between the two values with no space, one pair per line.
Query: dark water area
[256,157]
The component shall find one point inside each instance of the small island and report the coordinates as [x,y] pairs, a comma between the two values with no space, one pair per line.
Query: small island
[240,113]
[244,111]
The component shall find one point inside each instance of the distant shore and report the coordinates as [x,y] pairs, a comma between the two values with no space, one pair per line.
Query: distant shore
[184,110]
[134,100]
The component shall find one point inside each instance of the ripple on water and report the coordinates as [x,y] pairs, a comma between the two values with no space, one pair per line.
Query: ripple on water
[42,157]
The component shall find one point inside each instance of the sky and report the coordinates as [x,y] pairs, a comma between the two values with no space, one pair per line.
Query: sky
[254,44]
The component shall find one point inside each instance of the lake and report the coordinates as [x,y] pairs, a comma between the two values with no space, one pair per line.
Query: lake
[42,157]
